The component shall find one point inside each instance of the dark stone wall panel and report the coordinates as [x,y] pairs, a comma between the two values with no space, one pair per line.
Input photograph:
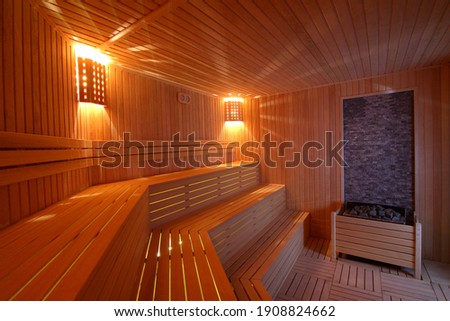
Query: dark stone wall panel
[380,149]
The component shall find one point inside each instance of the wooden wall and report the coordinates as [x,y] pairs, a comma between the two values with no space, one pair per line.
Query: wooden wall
[308,114]
[149,110]
[299,118]
[38,97]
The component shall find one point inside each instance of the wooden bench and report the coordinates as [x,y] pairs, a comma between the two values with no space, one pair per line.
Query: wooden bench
[259,248]
[185,255]
[177,194]
[145,238]
[91,246]
[89,243]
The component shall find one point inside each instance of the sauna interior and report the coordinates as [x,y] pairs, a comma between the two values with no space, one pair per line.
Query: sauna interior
[195,149]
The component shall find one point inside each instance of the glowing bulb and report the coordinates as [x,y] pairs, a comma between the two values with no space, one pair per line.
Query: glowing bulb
[91,53]
[234,99]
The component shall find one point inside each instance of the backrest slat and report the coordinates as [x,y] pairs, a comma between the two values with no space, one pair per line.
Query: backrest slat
[171,200]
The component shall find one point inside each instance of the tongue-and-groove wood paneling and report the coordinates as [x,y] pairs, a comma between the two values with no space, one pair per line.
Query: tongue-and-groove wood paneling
[149,109]
[306,115]
[38,96]
[265,46]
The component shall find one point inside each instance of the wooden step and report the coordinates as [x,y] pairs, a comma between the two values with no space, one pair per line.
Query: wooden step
[258,272]
[182,261]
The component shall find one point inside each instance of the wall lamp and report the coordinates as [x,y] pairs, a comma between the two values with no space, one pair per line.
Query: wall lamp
[91,75]
[233,109]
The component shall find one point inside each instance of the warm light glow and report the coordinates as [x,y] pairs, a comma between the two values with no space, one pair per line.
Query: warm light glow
[91,74]
[88,52]
[233,99]
[233,130]
[42,218]
[234,124]
[233,108]
[91,107]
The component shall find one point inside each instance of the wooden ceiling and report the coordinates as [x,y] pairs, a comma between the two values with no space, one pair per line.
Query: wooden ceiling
[259,47]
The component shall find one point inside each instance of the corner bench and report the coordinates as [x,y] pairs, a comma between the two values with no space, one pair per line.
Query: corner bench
[185,257]
[147,239]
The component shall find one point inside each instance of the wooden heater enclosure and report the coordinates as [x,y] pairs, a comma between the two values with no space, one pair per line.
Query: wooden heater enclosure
[390,243]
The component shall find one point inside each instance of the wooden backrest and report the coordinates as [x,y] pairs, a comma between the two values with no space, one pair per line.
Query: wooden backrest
[26,156]
[170,200]
[62,167]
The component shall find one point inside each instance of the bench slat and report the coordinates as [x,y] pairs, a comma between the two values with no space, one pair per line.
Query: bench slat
[237,264]
[206,278]
[248,265]
[195,227]
[178,292]
[163,273]
[19,233]
[225,290]
[251,224]
[190,267]
[252,263]
[184,197]
[164,182]
[149,270]
[180,209]
[116,276]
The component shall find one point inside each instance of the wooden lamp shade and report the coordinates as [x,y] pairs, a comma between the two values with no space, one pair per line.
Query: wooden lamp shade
[233,110]
[91,81]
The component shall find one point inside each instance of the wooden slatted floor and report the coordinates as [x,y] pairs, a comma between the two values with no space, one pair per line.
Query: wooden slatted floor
[315,277]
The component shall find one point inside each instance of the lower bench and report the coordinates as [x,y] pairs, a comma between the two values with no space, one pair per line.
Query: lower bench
[106,243]
[187,258]
[275,252]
